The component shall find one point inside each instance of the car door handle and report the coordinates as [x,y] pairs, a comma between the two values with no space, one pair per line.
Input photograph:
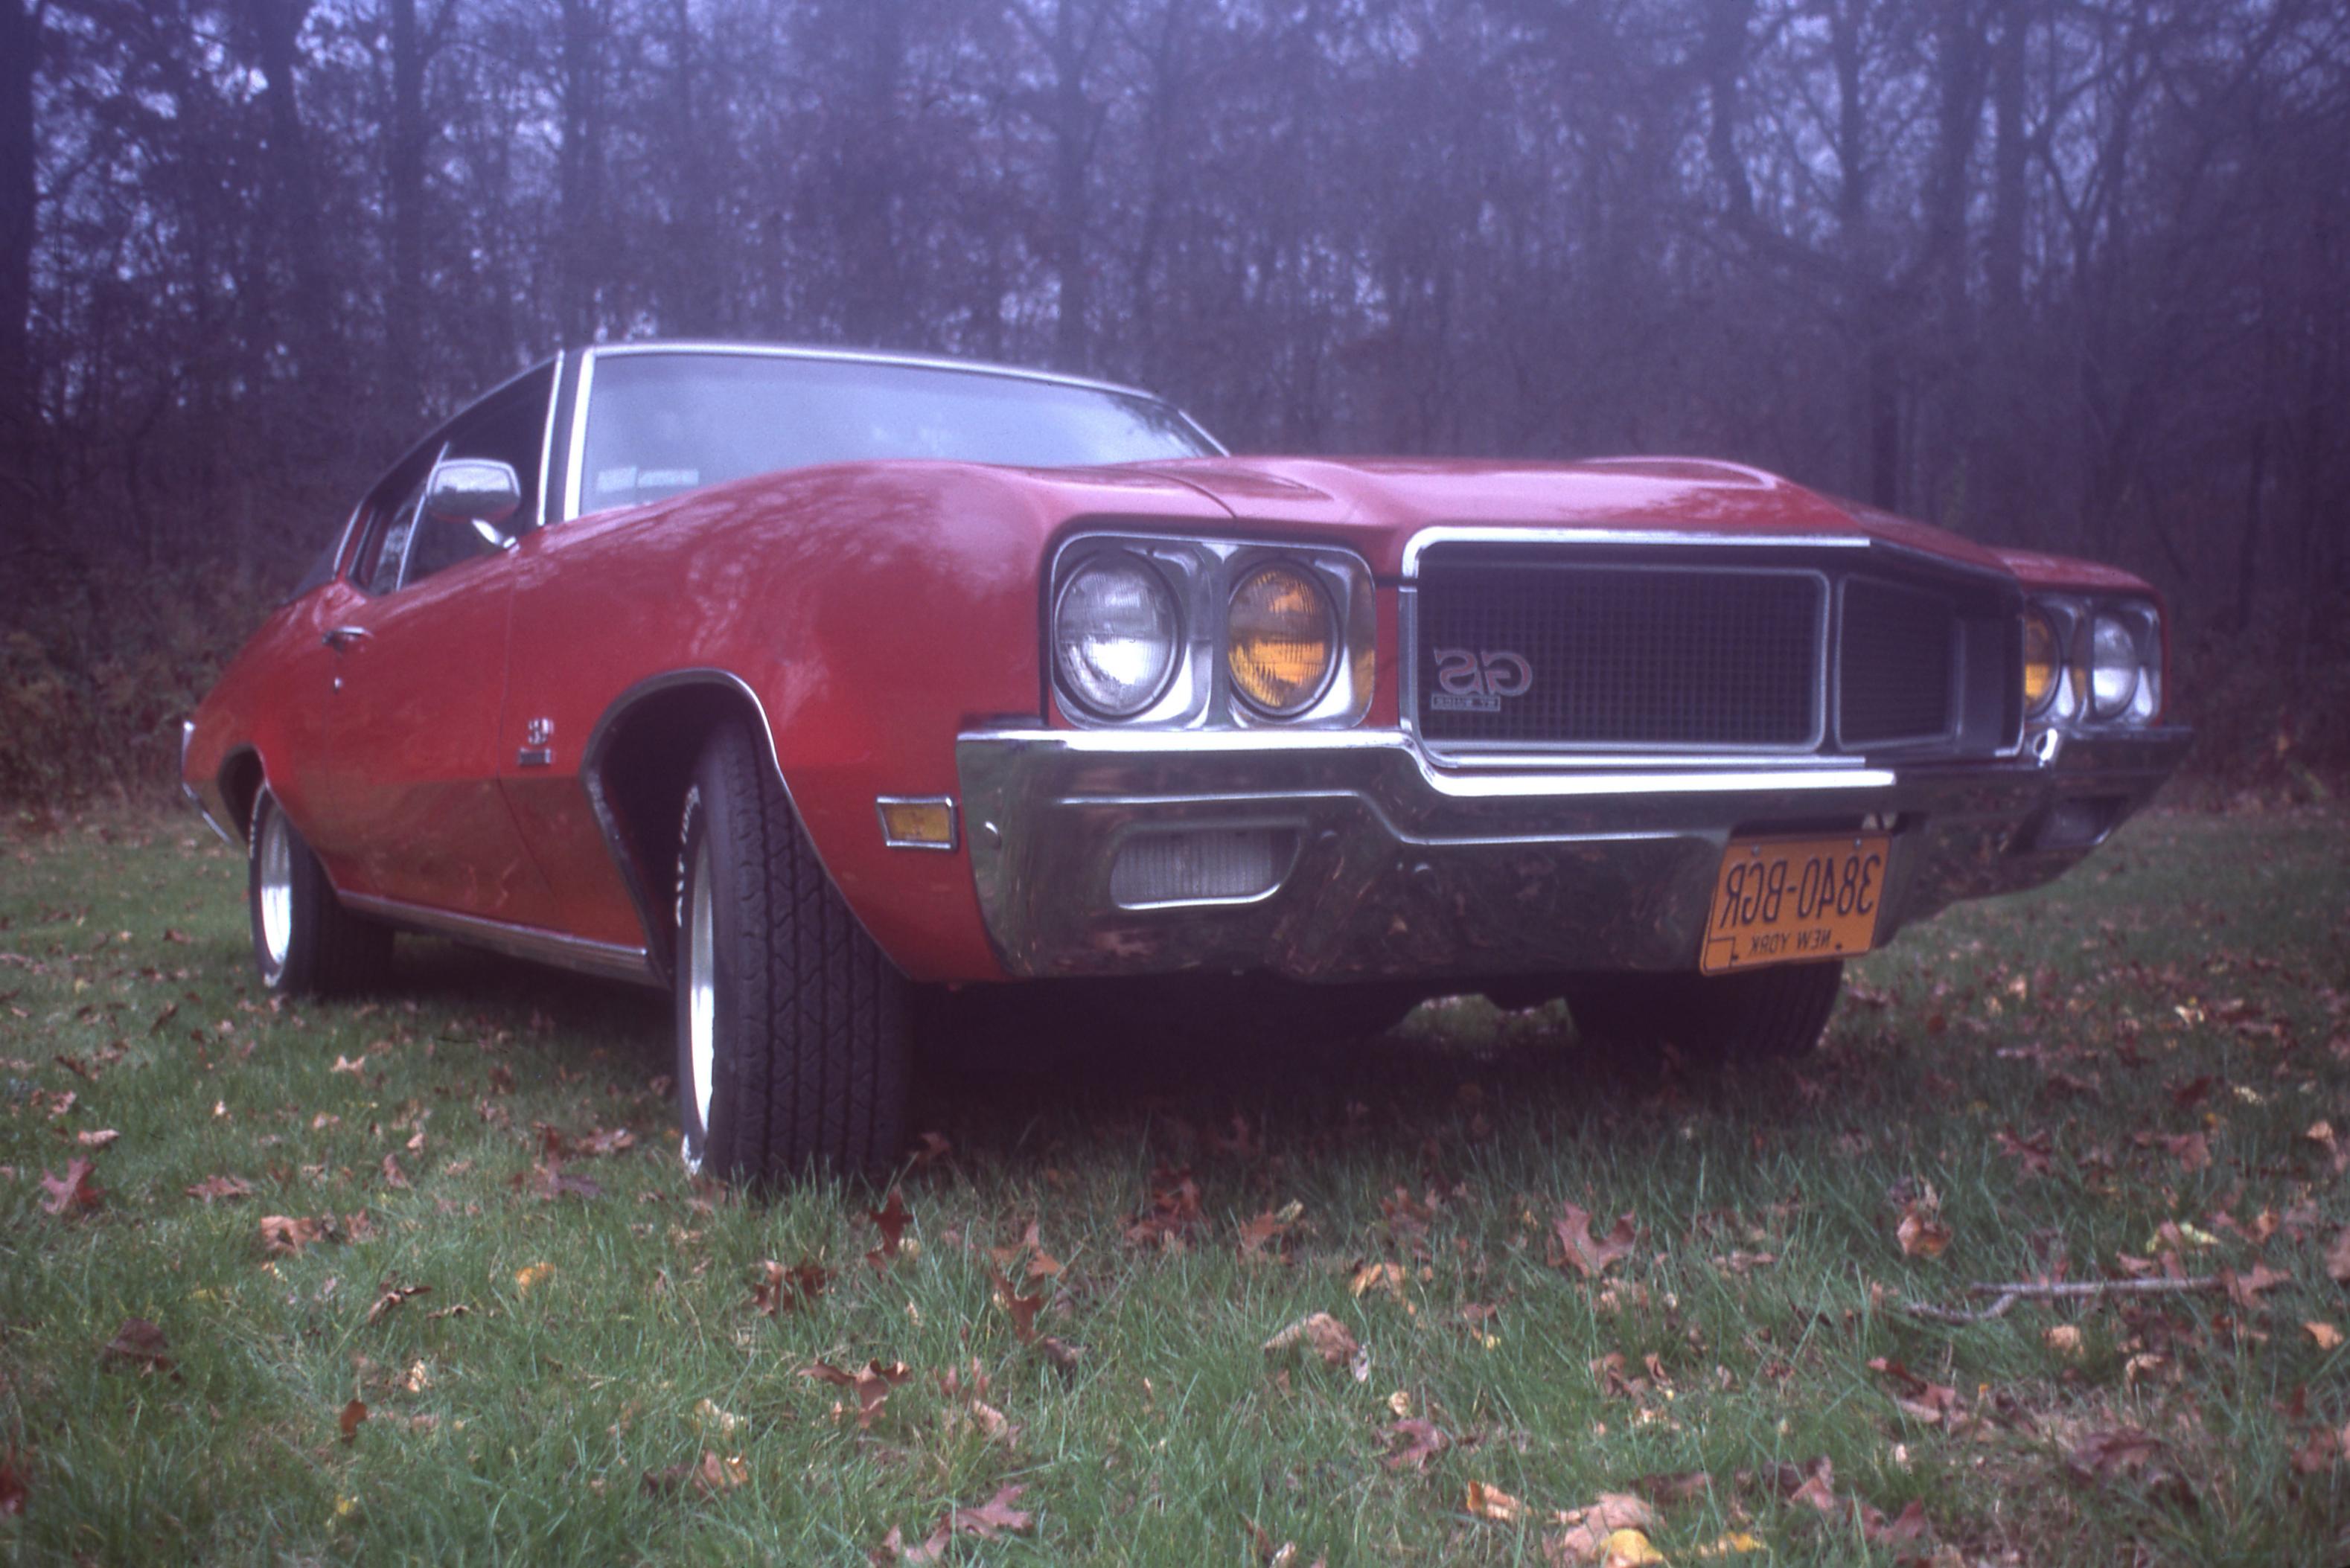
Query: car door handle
[339,638]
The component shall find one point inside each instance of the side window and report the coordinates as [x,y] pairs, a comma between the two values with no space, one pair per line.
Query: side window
[512,428]
[383,553]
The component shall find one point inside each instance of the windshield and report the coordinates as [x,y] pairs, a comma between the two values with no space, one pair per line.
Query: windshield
[661,423]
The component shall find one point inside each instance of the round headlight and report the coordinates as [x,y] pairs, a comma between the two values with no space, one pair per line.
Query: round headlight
[2113,672]
[2041,662]
[1283,639]
[1114,635]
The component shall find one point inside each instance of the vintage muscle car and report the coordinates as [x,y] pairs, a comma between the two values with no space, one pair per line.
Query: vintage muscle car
[809,684]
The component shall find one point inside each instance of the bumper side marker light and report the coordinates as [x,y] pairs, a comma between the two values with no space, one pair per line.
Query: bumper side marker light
[925,822]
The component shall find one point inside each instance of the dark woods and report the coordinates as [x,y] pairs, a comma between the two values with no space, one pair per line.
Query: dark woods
[2071,272]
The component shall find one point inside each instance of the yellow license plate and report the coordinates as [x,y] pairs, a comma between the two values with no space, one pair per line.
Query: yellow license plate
[1784,900]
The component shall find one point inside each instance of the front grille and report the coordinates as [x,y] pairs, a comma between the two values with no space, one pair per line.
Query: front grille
[1543,652]
[1896,658]
[1542,645]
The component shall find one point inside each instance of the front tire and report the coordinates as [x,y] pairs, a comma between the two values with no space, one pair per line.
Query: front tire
[305,944]
[1763,1015]
[793,1028]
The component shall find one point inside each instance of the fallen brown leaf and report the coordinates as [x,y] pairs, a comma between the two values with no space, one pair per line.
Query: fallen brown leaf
[871,1383]
[287,1234]
[353,1414]
[893,1218]
[706,1477]
[73,1192]
[1324,1334]
[1411,1444]
[220,1186]
[2328,1337]
[392,1296]
[779,1289]
[96,1137]
[1590,1533]
[139,1343]
[2337,1259]
[1574,1246]
[2244,1289]
[1920,1234]
[1492,1502]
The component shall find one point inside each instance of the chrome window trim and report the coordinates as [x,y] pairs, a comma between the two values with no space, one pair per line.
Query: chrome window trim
[576,457]
[546,437]
[1203,570]
[954,821]
[1483,754]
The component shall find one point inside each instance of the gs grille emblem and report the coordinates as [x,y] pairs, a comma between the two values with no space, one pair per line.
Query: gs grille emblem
[1474,680]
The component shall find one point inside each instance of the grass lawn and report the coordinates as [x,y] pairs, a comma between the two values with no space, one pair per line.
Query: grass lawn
[2131,1073]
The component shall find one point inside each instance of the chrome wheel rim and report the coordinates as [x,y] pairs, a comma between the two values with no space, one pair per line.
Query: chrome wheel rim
[700,1001]
[276,890]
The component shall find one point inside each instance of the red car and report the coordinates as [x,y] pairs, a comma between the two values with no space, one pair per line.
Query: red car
[804,683]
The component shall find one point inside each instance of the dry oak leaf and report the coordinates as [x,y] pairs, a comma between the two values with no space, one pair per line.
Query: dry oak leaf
[212,1187]
[96,1137]
[1920,1234]
[393,1175]
[2337,1259]
[393,1296]
[2064,1339]
[139,1343]
[531,1275]
[871,1382]
[353,1414]
[1173,1214]
[1492,1502]
[1328,1338]
[1917,1398]
[1590,1256]
[72,1192]
[285,1233]
[707,1478]
[782,1289]
[893,1218]
[2328,1337]
[2244,1289]
[1411,1444]
[1591,1534]
[988,1521]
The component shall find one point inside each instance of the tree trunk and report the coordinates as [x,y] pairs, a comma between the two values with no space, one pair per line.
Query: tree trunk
[405,206]
[19,31]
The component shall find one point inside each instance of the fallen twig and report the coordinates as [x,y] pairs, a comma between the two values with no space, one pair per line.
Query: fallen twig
[2067,1290]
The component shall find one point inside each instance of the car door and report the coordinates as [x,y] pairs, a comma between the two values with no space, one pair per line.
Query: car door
[411,797]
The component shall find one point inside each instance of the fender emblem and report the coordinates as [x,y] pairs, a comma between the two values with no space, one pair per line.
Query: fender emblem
[1474,680]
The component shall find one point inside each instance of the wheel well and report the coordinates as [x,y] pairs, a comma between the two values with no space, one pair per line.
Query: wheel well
[637,768]
[240,786]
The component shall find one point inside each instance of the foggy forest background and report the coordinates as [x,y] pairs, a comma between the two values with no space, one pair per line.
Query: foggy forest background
[2063,273]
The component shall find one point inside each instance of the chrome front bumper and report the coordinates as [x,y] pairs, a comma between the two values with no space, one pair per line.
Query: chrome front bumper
[1397,868]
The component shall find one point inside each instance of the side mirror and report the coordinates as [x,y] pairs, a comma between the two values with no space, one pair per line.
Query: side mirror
[476,490]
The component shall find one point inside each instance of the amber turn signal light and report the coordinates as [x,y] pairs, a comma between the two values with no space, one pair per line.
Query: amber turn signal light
[1283,639]
[926,823]
[2041,662]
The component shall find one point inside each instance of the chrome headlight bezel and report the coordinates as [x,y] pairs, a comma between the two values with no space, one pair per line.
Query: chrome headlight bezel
[1202,573]
[1068,673]
[2073,704]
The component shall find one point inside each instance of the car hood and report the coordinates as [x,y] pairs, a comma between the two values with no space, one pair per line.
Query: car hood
[1381,502]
